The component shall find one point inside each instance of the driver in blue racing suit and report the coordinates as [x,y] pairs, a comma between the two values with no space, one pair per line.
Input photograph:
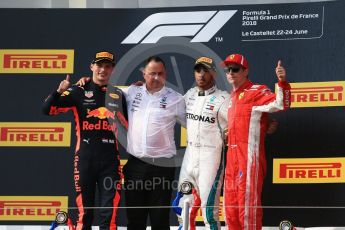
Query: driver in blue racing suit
[96,160]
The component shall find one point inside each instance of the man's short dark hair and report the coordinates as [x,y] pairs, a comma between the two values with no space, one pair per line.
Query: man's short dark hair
[155,59]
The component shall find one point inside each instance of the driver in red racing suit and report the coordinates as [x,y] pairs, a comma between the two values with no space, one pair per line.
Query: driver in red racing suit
[247,124]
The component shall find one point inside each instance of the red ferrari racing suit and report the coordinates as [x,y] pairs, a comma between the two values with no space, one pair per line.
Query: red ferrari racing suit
[246,163]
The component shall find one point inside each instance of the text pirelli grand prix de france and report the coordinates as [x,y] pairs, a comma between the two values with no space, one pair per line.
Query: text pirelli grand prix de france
[275,24]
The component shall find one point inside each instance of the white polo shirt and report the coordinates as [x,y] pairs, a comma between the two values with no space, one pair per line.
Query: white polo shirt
[151,121]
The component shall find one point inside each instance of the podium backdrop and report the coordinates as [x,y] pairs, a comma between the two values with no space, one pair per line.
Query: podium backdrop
[305,157]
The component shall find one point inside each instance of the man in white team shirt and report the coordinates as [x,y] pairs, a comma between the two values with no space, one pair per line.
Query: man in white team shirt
[153,110]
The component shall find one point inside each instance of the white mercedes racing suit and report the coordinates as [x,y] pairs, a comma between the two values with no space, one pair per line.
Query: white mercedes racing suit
[203,162]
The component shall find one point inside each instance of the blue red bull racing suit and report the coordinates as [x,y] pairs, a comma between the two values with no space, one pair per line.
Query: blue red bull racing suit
[96,159]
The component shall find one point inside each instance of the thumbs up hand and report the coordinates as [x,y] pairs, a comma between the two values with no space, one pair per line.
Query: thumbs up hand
[280,71]
[64,84]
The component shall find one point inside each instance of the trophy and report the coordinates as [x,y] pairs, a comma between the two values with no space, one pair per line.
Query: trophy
[62,219]
[286,225]
[186,187]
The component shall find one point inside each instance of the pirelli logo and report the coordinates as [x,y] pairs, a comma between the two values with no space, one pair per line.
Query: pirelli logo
[308,170]
[18,134]
[317,94]
[36,61]
[199,218]
[34,208]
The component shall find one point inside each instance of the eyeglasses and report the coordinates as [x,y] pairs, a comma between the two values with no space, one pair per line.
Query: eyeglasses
[231,69]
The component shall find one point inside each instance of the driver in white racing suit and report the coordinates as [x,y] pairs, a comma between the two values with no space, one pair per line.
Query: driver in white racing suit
[203,162]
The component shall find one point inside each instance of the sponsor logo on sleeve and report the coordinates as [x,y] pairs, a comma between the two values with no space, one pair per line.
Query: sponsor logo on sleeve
[114,95]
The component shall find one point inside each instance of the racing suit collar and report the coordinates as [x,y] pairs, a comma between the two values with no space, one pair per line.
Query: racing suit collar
[243,86]
[206,92]
[98,87]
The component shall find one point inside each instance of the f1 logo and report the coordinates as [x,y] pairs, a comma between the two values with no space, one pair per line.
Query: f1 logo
[203,25]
